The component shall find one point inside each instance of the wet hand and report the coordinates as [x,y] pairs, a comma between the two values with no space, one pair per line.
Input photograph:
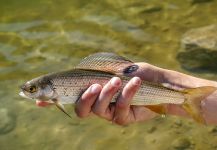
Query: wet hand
[97,100]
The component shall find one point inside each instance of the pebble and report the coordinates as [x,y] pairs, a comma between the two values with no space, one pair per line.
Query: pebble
[178,123]
[153,140]
[199,49]
[200,38]
[123,132]
[7,121]
[200,1]
[212,129]
[151,9]
[151,129]
[181,144]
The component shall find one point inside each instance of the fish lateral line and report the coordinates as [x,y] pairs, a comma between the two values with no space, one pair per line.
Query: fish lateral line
[104,66]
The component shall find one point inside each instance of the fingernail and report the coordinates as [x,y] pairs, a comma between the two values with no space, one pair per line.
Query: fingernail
[115,82]
[136,81]
[94,89]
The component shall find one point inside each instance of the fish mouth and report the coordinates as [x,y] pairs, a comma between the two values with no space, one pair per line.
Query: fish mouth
[23,95]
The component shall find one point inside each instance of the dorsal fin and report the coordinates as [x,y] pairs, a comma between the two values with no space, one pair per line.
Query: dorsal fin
[108,62]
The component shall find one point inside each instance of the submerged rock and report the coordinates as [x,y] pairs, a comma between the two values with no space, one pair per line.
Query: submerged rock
[151,129]
[213,129]
[7,121]
[201,38]
[199,49]
[4,62]
[152,8]
[200,1]
[181,144]
[177,123]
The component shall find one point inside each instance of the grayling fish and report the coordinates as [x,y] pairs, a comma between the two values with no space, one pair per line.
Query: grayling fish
[66,87]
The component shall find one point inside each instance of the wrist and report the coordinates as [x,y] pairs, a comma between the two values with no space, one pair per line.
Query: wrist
[149,72]
[184,80]
[209,106]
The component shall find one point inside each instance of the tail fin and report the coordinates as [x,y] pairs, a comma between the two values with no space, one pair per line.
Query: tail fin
[193,98]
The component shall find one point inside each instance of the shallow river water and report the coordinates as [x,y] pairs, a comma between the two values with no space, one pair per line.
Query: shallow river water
[37,37]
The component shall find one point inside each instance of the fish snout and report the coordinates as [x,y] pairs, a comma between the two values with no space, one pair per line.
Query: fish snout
[22,87]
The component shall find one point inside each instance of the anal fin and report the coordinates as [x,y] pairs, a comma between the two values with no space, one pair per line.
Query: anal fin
[160,109]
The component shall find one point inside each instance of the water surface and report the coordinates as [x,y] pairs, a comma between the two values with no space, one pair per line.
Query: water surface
[38,37]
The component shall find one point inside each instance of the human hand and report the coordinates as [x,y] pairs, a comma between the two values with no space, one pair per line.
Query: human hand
[97,99]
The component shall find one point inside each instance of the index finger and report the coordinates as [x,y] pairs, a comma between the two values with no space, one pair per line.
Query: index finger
[85,103]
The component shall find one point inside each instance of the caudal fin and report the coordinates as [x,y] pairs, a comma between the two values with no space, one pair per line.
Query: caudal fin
[193,98]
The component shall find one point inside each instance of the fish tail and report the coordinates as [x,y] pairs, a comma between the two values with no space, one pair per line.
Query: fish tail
[193,98]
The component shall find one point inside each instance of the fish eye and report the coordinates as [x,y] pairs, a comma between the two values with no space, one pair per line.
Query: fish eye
[32,89]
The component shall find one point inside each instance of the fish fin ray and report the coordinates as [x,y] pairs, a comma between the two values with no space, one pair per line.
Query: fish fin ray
[108,62]
[160,109]
[192,103]
[60,107]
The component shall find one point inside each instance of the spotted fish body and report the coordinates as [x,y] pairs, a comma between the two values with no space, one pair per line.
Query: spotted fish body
[71,84]
[66,87]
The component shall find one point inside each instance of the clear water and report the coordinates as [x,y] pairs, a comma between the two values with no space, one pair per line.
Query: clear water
[42,36]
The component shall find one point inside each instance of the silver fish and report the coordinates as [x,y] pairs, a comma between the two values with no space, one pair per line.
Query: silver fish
[66,87]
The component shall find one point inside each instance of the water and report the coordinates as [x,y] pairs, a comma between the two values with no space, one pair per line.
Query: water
[38,37]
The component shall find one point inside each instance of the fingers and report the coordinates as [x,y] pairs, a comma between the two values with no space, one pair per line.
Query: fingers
[123,104]
[101,106]
[98,100]
[83,106]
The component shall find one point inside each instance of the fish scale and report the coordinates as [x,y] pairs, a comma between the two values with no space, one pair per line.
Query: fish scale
[147,93]
[66,87]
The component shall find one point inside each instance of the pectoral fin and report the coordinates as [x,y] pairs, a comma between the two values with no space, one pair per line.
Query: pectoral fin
[60,107]
[108,62]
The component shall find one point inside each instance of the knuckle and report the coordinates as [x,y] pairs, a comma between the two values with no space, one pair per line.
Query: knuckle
[120,105]
[108,91]
[80,113]
[120,121]
[110,88]
[97,111]
[129,92]
[132,88]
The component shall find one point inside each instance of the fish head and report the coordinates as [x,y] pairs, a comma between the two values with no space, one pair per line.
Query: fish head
[37,89]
